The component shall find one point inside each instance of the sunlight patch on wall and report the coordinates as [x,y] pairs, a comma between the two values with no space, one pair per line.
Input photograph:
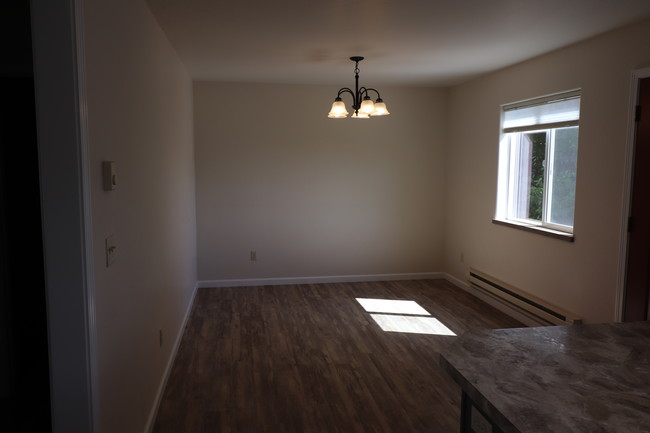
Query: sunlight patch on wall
[403,316]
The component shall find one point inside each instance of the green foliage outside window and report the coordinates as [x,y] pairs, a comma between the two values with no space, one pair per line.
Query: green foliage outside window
[564,175]
[536,198]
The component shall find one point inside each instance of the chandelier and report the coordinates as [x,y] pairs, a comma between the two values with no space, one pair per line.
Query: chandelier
[361,101]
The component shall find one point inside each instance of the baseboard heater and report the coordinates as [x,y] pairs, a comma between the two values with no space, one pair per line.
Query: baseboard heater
[536,309]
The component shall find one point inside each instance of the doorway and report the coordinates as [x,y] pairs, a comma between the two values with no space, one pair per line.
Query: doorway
[637,275]
[24,362]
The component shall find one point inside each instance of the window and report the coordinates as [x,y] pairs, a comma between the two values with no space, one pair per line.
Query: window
[538,156]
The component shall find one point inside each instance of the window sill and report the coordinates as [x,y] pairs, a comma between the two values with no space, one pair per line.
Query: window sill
[568,237]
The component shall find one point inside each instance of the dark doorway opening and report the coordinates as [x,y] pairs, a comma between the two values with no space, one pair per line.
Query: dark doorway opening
[24,366]
[637,277]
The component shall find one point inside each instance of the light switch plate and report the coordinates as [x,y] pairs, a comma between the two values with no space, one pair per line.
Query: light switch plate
[109,175]
[111,250]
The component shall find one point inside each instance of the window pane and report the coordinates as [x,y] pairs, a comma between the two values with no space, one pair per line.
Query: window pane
[530,191]
[565,159]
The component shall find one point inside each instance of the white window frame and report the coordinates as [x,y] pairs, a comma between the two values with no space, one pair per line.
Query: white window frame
[510,160]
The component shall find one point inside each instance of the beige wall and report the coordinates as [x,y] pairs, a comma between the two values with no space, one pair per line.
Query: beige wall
[580,276]
[315,196]
[139,115]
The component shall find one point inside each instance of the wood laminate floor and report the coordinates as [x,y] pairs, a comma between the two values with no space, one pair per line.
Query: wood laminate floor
[309,358]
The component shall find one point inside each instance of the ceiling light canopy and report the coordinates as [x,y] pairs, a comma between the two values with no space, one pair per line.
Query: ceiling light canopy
[361,102]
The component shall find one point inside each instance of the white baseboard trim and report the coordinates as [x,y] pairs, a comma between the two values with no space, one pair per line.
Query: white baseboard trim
[316,280]
[504,308]
[170,363]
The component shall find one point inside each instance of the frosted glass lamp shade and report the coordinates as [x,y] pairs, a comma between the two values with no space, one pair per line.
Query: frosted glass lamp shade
[360,115]
[367,106]
[380,109]
[338,109]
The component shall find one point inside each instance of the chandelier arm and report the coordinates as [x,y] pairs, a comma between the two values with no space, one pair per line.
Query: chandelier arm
[345,90]
[354,98]
[366,89]
[362,90]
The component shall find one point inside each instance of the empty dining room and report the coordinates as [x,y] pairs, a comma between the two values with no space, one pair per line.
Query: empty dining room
[289,216]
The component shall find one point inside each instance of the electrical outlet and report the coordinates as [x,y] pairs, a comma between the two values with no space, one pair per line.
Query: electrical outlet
[253,256]
[462,257]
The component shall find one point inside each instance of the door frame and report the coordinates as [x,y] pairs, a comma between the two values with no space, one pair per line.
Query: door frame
[637,76]
[59,82]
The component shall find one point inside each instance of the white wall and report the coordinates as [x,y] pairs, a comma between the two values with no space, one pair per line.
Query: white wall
[580,276]
[139,115]
[315,196]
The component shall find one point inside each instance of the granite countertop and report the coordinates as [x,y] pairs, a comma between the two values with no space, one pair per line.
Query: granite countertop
[581,378]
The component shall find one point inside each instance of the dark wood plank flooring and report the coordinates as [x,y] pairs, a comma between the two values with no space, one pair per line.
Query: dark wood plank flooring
[308,358]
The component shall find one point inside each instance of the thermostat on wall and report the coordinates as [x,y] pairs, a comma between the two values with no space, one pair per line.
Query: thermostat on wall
[110,177]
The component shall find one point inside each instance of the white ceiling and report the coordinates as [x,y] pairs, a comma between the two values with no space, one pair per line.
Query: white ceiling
[405,42]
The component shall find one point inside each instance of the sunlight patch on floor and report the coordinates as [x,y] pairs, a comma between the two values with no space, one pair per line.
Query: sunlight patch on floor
[411,324]
[392,306]
[394,315]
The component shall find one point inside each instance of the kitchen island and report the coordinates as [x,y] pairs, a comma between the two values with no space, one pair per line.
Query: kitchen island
[581,378]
